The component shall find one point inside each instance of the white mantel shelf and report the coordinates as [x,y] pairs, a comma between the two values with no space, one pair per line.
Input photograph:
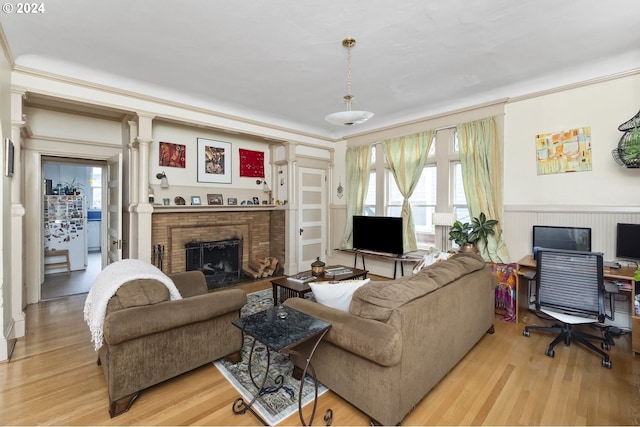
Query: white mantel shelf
[213,208]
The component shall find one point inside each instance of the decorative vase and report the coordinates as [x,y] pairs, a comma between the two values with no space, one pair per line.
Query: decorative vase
[469,248]
[317,267]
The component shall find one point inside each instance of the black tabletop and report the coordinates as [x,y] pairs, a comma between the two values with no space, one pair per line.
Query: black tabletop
[279,333]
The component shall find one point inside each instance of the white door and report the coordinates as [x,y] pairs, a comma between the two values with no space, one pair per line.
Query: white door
[114,208]
[312,217]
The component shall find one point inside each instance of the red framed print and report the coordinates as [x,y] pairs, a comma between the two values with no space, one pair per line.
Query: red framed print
[251,163]
[173,155]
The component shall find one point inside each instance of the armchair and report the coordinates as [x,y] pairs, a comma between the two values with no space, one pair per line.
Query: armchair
[149,338]
[570,289]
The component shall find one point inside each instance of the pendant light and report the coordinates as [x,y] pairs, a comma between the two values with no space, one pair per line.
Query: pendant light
[348,117]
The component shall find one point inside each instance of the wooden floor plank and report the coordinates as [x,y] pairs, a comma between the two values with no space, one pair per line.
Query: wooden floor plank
[53,379]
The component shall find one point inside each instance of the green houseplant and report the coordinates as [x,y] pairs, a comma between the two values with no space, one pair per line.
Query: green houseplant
[466,235]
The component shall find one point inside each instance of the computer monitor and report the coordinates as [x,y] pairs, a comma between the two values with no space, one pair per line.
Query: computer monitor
[558,237]
[627,238]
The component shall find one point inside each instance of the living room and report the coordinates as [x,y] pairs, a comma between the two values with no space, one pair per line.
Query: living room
[49,115]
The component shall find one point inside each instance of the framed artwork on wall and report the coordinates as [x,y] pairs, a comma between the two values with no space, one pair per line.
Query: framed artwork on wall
[172,155]
[214,161]
[251,163]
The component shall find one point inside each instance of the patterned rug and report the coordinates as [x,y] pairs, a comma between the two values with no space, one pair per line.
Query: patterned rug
[272,407]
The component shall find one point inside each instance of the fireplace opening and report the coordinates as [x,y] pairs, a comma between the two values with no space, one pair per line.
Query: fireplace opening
[220,261]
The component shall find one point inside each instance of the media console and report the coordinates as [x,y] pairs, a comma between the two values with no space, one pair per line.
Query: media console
[401,259]
[527,265]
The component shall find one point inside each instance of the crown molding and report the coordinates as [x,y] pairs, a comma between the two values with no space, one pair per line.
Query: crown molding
[576,85]
[6,50]
[301,136]
[438,121]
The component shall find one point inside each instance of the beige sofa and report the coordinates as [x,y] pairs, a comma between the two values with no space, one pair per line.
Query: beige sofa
[401,337]
[149,339]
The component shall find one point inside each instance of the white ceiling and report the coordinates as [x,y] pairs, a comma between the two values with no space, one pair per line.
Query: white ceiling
[282,61]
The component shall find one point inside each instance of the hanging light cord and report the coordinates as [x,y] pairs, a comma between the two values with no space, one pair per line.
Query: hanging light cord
[348,43]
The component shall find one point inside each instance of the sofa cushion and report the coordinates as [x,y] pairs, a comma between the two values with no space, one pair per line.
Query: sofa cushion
[377,300]
[138,293]
[336,294]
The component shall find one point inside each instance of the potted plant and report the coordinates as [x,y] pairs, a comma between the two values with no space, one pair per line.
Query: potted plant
[73,187]
[466,235]
[459,233]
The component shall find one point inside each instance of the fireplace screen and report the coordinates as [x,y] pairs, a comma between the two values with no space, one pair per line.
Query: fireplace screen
[220,261]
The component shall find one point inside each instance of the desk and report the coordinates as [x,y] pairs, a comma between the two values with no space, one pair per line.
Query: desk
[390,257]
[624,274]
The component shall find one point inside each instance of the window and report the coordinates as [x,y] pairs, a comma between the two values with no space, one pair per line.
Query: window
[459,199]
[423,204]
[96,188]
[370,199]
[440,189]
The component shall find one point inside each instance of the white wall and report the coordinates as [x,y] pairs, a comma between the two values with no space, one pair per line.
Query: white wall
[599,198]
[603,106]
[184,181]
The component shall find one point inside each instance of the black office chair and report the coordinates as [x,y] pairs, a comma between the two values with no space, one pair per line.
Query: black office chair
[570,288]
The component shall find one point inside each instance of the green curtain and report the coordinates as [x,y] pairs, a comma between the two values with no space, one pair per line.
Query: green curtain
[406,157]
[482,177]
[358,161]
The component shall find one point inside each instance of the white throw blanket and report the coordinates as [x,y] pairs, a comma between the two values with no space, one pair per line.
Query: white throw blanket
[107,283]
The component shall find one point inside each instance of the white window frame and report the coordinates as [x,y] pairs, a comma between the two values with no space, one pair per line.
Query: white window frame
[444,156]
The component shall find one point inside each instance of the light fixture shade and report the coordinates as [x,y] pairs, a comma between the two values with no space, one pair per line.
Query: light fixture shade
[348,118]
[443,218]
[164,182]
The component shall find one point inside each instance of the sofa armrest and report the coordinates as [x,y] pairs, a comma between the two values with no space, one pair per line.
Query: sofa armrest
[131,323]
[190,283]
[370,339]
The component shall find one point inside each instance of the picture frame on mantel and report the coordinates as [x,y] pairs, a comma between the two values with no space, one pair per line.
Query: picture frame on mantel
[214,161]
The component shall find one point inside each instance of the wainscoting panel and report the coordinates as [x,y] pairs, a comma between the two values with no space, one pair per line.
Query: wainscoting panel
[518,222]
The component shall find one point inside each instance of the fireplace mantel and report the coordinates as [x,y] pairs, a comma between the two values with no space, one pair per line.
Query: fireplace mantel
[214,208]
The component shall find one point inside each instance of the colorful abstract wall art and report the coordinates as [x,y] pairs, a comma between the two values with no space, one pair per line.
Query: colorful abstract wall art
[564,151]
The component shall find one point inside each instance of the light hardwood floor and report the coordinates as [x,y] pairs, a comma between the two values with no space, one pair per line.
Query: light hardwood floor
[53,379]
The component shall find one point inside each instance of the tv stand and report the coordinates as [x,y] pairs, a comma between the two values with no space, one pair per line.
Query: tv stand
[401,259]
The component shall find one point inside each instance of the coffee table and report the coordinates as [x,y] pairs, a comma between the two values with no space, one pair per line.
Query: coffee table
[288,289]
[281,329]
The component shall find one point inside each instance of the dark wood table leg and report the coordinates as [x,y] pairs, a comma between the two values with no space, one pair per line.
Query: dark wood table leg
[275,293]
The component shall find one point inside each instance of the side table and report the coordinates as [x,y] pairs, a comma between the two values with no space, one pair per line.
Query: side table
[281,329]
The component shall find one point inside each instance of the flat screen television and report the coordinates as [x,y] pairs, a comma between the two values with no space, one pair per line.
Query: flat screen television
[628,241]
[378,234]
[554,237]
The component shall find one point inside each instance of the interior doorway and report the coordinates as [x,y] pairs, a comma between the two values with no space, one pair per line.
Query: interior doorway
[72,225]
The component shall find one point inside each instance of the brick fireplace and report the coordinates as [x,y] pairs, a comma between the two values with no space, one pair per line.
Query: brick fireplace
[262,233]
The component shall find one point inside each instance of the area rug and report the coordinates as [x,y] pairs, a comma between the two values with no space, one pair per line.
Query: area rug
[272,407]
